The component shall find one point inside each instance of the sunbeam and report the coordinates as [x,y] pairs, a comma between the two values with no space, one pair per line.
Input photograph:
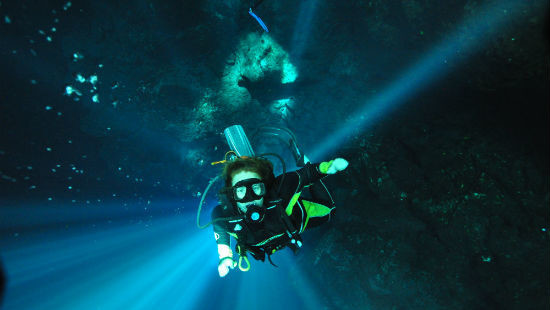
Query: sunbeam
[466,40]
[302,29]
[113,266]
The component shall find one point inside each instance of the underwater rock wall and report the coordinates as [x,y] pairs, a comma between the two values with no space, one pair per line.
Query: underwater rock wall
[255,56]
[443,215]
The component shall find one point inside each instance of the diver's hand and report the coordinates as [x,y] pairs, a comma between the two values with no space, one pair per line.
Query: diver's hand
[224,265]
[333,166]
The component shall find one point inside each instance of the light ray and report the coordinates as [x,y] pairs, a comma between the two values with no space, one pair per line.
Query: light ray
[127,266]
[469,37]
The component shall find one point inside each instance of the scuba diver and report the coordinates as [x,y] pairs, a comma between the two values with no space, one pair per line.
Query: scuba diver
[265,213]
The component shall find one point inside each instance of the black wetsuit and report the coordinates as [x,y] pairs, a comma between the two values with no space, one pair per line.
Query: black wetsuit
[287,214]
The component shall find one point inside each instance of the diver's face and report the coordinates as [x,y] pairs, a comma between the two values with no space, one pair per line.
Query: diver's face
[244,175]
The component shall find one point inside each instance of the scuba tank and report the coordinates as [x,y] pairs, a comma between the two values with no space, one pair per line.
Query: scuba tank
[237,141]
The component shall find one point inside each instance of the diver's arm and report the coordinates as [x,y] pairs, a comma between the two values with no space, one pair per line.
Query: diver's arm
[311,173]
[226,259]
[219,213]
[224,242]
[225,254]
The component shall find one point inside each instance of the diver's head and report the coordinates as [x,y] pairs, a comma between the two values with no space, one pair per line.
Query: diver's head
[247,189]
[247,180]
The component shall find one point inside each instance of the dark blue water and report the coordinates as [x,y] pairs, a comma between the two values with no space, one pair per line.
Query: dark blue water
[111,114]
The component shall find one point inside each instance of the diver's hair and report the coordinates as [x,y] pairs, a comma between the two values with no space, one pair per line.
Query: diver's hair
[260,165]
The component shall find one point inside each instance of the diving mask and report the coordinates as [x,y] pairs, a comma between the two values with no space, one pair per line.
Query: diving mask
[248,190]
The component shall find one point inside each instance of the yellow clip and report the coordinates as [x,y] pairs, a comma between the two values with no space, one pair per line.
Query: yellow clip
[224,159]
[218,162]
